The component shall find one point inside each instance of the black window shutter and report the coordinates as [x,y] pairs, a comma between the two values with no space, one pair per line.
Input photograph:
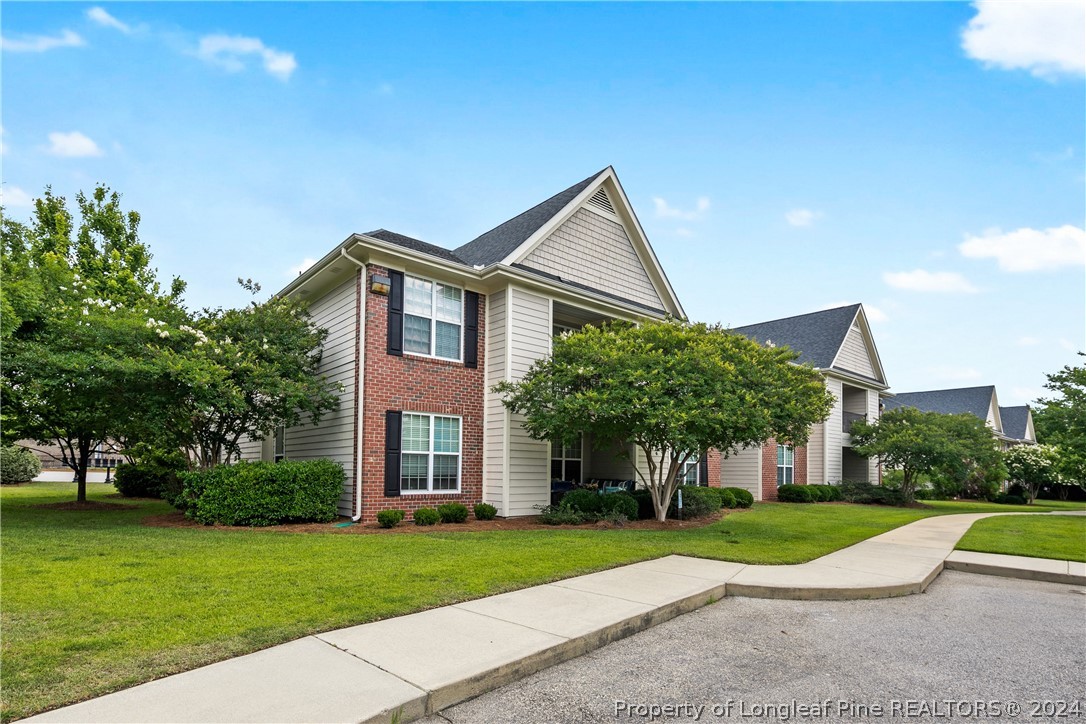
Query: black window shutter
[703,469]
[471,329]
[395,315]
[393,420]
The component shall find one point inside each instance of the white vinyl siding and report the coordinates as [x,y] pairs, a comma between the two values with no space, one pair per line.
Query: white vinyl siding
[743,469]
[529,460]
[496,425]
[854,356]
[333,438]
[834,438]
[595,251]
[816,455]
[250,449]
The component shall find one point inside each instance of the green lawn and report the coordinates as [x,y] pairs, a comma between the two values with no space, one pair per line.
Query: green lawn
[93,601]
[1048,536]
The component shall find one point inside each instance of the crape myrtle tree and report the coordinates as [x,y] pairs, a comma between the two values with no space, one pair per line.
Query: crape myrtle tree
[79,364]
[960,447]
[673,388]
[1031,466]
[1061,421]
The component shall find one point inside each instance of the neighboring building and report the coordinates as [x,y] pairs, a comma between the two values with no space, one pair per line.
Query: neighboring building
[838,343]
[52,456]
[979,401]
[1018,425]
[419,334]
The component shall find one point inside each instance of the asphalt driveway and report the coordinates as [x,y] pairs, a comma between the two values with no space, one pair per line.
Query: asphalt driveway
[973,648]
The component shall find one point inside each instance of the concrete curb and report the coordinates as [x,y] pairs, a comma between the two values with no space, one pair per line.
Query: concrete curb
[411,666]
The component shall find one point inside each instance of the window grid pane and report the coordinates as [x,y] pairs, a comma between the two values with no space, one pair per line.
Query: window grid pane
[430,458]
[416,433]
[416,334]
[448,341]
[446,435]
[445,472]
[418,297]
[413,471]
[449,305]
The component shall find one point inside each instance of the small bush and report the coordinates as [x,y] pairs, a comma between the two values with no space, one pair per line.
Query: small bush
[715,492]
[263,493]
[559,515]
[645,509]
[924,494]
[620,503]
[389,518]
[697,502]
[485,511]
[453,512]
[795,494]
[727,498]
[836,495]
[819,494]
[1008,499]
[615,517]
[18,465]
[868,494]
[743,498]
[426,516]
[587,502]
[144,480]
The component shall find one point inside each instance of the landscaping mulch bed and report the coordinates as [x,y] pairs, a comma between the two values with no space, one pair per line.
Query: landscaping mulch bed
[178,520]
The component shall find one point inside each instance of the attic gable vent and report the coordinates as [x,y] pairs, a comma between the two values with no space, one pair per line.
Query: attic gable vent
[600,201]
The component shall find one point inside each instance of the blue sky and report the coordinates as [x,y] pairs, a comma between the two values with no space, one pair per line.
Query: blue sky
[925,159]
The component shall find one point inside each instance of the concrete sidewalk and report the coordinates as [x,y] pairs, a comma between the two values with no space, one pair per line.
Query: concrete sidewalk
[422,663]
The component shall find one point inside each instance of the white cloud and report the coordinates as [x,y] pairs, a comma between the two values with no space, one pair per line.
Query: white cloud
[72,145]
[100,16]
[300,268]
[920,280]
[1028,341]
[802,217]
[954,374]
[42,43]
[229,51]
[1029,249]
[1045,38]
[14,196]
[874,314]
[666,211]
[1068,345]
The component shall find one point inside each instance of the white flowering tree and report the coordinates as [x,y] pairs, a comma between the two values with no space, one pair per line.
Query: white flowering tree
[79,363]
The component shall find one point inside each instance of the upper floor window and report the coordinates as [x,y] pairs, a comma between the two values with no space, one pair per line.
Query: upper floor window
[433,318]
[786,465]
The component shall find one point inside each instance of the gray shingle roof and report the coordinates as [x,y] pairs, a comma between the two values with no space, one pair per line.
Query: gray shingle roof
[1014,421]
[499,242]
[974,400]
[816,336]
[415,245]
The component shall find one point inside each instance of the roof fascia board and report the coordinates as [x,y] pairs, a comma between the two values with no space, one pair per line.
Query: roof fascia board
[848,377]
[627,215]
[499,275]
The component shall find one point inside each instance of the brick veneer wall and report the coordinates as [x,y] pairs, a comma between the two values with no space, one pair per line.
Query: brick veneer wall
[769,469]
[417,384]
[713,463]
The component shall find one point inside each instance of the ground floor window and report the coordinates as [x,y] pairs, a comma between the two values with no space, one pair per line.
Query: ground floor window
[786,465]
[430,457]
[689,473]
[566,461]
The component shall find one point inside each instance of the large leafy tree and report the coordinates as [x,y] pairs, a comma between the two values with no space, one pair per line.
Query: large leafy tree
[672,388]
[1032,466]
[247,371]
[1061,421]
[80,364]
[960,447]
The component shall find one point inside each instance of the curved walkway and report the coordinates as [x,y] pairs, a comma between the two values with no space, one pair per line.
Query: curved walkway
[410,666]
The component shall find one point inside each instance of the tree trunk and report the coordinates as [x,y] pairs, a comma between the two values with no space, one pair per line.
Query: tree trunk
[1062,491]
[81,471]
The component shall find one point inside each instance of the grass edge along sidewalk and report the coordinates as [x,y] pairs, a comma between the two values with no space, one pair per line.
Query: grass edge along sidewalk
[95,602]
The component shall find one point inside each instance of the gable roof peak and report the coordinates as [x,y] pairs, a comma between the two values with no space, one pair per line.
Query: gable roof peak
[817,336]
[498,243]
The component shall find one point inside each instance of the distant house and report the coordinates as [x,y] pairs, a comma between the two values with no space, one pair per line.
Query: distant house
[983,402]
[419,334]
[837,342]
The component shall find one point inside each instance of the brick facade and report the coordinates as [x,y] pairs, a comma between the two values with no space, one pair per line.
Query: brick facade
[713,463]
[769,469]
[417,384]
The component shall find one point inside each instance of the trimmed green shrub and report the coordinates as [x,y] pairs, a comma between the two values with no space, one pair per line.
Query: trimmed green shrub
[1008,499]
[715,492]
[727,500]
[426,516]
[643,498]
[18,465]
[924,494]
[485,511]
[144,480]
[263,493]
[587,502]
[795,494]
[835,493]
[868,494]
[743,498]
[559,515]
[453,512]
[389,518]
[697,502]
[818,493]
[621,503]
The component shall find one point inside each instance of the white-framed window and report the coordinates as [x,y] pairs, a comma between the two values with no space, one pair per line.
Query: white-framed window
[430,453]
[279,449]
[786,465]
[433,319]
[689,472]
[566,461]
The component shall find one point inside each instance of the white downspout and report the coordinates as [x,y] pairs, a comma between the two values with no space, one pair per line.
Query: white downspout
[361,387]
